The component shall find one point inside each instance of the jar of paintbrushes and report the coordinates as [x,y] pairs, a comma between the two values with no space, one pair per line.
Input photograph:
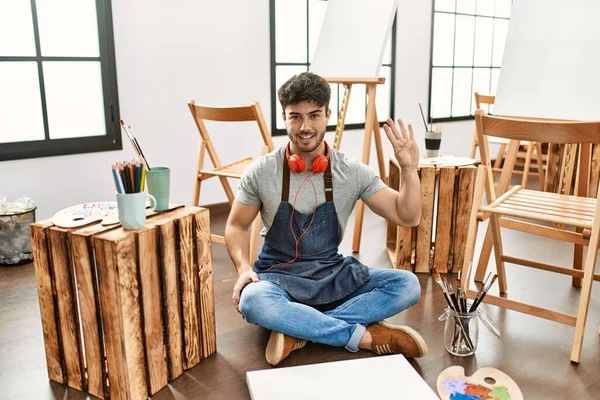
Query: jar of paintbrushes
[461,330]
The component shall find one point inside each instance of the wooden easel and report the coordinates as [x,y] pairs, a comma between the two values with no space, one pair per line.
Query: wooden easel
[371,128]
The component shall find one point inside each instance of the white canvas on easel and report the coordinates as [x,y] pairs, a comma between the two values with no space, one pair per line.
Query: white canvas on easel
[384,377]
[353,38]
[350,50]
[550,63]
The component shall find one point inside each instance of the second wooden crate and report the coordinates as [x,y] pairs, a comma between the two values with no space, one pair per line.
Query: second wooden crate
[439,239]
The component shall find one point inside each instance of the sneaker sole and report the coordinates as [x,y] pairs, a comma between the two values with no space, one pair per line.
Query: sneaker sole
[410,332]
[274,351]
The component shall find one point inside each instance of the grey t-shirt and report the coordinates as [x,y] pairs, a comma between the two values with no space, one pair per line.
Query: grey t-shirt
[262,183]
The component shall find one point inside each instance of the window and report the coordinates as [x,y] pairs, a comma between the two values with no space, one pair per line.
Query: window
[58,86]
[467,48]
[295,29]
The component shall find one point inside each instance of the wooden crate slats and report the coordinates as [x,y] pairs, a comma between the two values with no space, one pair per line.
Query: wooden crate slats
[444,219]
[410,248]
[48,307]
[189,293]
[143,299]
[207,305]
[424,229]
[169,261]
[464,201]
[152,303]
[87,291]
[67,306]
[108,278]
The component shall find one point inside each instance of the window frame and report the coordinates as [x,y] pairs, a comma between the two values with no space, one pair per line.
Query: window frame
[470,117]
[76,145]
[331,126]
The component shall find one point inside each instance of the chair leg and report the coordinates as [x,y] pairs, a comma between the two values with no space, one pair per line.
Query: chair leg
[254,234]
[198,181]
[540,165]
[474,146]
[584,299]
[577,260]
[527,165]
[484,256]
[473,225]
[498,252]
[499,158]
[196,200]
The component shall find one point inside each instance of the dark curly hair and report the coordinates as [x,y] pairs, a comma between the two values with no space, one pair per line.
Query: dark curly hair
[305,87]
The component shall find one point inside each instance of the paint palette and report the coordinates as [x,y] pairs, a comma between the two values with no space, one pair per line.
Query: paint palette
[87,213]
[485,384]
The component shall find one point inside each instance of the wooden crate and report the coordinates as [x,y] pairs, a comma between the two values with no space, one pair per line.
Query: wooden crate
[126,312]
[439,239]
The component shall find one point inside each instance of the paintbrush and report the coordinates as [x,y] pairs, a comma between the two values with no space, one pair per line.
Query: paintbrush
[451,294]
[134,143]
[480,290]
[438,279]
[476,304]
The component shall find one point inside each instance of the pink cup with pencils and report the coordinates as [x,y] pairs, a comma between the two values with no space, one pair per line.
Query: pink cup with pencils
[131,198]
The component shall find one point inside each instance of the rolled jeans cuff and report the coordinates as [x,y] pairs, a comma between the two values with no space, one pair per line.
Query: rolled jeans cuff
[357,335]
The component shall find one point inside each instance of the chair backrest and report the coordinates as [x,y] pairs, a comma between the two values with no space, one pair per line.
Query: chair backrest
[584,133]
[252,112]
[484,99]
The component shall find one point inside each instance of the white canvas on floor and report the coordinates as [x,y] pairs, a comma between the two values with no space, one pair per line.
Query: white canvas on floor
[383,377]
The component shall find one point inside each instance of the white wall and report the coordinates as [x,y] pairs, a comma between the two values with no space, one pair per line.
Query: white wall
[216,53]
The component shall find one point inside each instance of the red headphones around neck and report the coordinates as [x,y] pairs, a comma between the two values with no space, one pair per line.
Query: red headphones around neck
[296,163]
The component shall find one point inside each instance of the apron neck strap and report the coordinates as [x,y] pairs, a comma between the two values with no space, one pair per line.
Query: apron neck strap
[327,178]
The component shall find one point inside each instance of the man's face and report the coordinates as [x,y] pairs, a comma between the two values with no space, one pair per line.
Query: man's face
[306,124]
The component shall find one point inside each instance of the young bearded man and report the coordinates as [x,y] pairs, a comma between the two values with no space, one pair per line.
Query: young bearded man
[300,287]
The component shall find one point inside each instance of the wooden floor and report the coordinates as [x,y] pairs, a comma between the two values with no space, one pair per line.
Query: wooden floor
[534,352]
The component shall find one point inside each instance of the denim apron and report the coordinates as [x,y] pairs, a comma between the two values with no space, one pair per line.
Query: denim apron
[319,275]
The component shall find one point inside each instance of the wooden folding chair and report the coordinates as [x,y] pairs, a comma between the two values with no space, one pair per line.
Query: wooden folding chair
[536,212]
[235,169]
[530,148]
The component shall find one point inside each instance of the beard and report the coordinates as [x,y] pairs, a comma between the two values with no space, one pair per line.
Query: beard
[307,146]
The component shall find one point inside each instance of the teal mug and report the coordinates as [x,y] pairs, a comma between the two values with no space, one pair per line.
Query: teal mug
[132,209]
[159,182]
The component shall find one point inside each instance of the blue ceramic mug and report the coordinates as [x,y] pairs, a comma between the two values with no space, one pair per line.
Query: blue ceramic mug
[132,209]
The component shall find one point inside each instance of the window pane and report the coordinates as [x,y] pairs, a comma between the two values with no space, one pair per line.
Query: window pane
[68,27]
[503,8]
[443,39]
[357,106]
[484,31]
[466,6]
[282,74]
[500,32]
[74,99]
[290,31]
[383,95]
[16,28]
[463,46]
[316,14]
[485,7]
[461,92]
[441,92]
[20,105]
[444,5]
[481,84]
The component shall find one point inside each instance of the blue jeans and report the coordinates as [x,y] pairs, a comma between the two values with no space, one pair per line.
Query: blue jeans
[386,293]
